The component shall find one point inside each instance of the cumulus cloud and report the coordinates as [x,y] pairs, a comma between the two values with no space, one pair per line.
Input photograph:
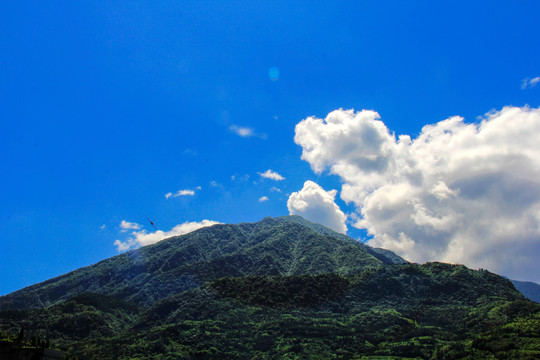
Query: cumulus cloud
[317,205]
[529,83]
[140,237]
[460,192]
[272,175]
[263,198]
[181,193]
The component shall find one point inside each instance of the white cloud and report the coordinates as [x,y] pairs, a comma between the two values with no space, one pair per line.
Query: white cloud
[263,198]
[273,188]
[103,227]
[317,205]
[459,192]
[123,246]
[242,131]
[272,175]
[529,83]
[181,193]
[126,225]
[245,131]
[142,237]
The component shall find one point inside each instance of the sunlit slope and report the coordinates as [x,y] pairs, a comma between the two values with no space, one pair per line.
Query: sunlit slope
[384,255]
[280,246]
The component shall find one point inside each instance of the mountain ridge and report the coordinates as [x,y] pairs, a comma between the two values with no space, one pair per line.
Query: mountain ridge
[184,262]
[529,289]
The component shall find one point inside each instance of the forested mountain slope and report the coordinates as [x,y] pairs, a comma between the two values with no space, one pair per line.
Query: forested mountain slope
[281,246]
[280,288]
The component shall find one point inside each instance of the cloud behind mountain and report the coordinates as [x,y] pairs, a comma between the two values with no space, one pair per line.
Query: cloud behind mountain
[459,192]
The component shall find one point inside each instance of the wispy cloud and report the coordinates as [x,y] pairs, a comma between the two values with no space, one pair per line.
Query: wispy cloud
[126,225]
[246,131]
[528,83]
[140,237]
[237,177]
[186,192]
[272,175]
[263,198]
[190,152]
[242,131]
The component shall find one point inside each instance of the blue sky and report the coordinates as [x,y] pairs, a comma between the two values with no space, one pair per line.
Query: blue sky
[105,107]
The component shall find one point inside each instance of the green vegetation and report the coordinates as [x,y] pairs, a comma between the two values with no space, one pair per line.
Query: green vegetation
[270,247]
[23,340]
[277,289]
[282,291]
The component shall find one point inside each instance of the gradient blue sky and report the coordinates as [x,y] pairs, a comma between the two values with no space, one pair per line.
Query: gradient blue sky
[105,107]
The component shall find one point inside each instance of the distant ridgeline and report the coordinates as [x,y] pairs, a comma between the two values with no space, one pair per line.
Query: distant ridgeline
[281,288]
[529,289]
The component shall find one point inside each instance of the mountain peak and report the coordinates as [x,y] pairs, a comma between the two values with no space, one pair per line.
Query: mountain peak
[287,245]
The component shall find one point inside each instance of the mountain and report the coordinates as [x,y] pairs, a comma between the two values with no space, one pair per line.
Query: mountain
[529,289]
[282,246]
[281,288]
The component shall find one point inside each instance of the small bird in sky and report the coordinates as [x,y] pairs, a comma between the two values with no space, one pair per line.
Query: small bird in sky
[152,223]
